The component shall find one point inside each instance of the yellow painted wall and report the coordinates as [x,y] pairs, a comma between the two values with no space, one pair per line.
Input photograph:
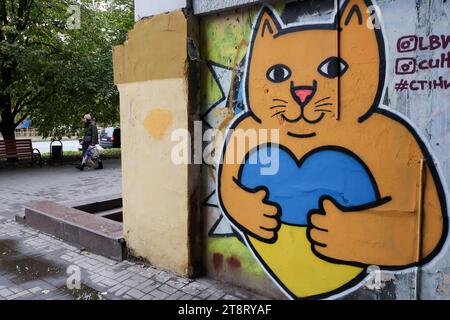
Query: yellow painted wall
[150,73]
[156,49]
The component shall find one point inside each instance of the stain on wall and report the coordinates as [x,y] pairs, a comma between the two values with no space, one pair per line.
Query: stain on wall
[158,122]
[361,181]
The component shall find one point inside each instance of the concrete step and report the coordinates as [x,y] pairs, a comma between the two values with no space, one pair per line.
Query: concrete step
[95,233]
[112,214]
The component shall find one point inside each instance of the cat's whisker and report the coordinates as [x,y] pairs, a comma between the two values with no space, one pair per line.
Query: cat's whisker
[322,110]
[279,112]
[323,105]
[280,100]
[319,101]
[278,106]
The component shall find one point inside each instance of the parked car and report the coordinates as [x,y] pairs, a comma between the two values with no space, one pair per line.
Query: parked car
[110,137]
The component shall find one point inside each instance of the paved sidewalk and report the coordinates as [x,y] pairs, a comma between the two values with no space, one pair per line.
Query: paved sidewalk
[37,266]
[59,184]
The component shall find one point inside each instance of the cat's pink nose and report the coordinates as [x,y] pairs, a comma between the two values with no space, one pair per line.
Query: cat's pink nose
[304,94]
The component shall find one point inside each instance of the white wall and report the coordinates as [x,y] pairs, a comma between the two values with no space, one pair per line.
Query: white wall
[208,6]
[146,8]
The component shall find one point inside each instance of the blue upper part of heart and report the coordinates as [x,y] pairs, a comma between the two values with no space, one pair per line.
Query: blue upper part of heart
[298,187]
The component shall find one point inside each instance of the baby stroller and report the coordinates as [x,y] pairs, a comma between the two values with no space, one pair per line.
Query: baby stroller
[91,158]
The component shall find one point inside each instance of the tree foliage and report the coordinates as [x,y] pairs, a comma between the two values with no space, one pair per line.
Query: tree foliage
[54,73]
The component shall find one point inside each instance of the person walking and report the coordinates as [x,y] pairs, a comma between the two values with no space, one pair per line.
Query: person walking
[89,141]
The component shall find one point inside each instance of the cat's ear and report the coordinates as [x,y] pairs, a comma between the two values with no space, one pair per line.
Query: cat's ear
[361,45]
[267,24]
[356,15]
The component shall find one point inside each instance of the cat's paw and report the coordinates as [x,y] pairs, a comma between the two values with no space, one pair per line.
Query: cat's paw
[331,230]
[362,237]
[262,218]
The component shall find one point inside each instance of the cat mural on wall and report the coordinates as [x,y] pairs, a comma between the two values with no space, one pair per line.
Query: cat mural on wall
[356,185]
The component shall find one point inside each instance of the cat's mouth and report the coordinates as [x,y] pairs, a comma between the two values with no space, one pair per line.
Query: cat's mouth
[303,95]
[302,116]
[302,135]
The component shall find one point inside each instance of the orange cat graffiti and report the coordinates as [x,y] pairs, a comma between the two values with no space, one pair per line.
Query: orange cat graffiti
[356,186]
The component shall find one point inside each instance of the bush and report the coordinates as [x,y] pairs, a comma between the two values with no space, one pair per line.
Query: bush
[70,156]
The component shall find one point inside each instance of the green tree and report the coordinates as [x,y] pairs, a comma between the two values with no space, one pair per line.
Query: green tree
[53,72]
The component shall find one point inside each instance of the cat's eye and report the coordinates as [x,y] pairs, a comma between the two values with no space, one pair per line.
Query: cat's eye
[333,67]
[278,73]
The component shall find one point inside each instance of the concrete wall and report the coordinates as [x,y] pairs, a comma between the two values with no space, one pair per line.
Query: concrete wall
[387,115]
[210,6]
[143,8]
[416,98]
[153,101]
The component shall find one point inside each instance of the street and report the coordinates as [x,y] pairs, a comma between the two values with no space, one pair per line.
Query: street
[68,145]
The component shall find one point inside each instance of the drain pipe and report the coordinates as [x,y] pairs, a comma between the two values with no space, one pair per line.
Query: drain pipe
[418,282]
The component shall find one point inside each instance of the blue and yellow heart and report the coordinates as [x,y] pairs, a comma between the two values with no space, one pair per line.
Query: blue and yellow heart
[297,187]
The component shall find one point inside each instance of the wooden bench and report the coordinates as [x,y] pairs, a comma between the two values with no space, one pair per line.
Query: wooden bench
[20,149]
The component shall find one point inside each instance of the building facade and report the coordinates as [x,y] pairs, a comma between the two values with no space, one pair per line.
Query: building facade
[340,189]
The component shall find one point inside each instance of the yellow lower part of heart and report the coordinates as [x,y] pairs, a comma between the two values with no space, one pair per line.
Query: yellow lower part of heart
[291,261]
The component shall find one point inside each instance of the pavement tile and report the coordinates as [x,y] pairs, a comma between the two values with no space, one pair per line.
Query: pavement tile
[138,278]
[115,288]
[19,295]
[16,289]
[176,295]
[125,276]
[136,294]
[122,280]
[145,284]
[216,296]
[130,283]
[35,290]
[161,277]
[109,282]
[122,291]
[186,297]
[159,294]
[230,297]
[5,293]
[169,290]
[151,287]
[176,284]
